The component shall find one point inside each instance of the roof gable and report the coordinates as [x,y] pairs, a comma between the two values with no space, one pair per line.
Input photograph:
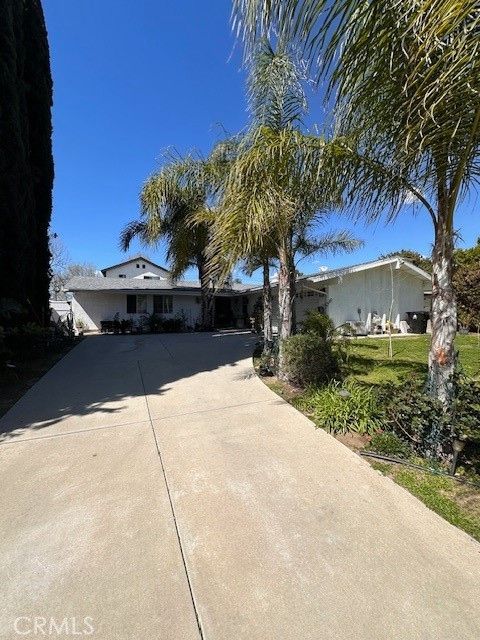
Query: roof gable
[134,259]
[397,261]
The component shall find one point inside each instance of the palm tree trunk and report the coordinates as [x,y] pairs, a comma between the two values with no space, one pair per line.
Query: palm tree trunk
[293,290]
[284,303]
[442,357]
[267,309]
[206,296]
[284,295]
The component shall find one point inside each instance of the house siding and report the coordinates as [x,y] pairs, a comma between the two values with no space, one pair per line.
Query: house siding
[354,296]
[348,297]
[369,291]
[130,270]
[91,307]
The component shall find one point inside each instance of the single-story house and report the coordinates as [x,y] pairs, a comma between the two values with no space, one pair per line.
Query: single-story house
[367,294]
[138,286]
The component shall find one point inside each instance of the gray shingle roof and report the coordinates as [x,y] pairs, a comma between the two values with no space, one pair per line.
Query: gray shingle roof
[83,283]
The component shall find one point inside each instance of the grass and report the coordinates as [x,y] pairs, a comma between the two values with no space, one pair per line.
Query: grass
[369,362]
[459,504]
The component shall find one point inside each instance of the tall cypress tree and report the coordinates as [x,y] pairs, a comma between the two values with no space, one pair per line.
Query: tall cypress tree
[26,163]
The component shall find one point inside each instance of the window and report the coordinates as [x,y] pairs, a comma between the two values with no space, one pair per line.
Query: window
[143,266]
[136,304]
[131,304]
[138,266]
[122,275]
[162,304]
[141,304]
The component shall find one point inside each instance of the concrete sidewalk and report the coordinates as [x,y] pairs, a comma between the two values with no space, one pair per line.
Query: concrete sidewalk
[152,487]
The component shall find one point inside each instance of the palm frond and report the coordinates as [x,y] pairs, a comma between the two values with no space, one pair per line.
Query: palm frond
[405,76]
[275,183]
[330,242]
[169,201]
[134,229]
[275,86]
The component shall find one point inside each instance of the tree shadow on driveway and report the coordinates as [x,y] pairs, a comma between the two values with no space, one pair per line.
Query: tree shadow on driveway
[125,380]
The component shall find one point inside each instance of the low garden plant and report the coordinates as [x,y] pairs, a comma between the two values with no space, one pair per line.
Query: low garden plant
[343,408]
[389,444]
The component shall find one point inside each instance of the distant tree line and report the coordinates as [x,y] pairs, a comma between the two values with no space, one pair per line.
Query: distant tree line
[26,162]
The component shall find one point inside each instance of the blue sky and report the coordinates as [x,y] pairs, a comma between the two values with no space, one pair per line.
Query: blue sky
[135,77]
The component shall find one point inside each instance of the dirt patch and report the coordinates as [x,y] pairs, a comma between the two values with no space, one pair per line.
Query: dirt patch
[355,441]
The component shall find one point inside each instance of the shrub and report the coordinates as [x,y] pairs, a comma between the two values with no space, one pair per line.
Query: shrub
[32,341]
[319,324]
[464,418]
[389,444]
[414,415]
[172,325]
[309,359]
[153,322]
[27,342]
[345,408]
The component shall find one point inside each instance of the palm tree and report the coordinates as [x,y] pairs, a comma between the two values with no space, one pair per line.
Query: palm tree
[405,80]
[170,200]
[273,189]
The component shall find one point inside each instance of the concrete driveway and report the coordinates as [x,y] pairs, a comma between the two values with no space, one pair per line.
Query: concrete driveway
[152,487]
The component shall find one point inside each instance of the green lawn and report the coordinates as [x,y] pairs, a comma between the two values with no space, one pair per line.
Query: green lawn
[457,503]
[368,359]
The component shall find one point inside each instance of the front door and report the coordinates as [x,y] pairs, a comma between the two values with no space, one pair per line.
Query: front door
[223,313]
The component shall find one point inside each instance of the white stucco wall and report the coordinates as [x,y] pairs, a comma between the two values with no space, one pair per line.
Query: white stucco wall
[411,295]
[91,307]
[369,290]
[130,270]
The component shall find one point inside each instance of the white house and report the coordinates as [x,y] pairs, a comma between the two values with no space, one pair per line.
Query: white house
[138,286]
[369,294]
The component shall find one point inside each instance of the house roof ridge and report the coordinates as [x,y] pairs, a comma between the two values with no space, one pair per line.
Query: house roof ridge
[138,256]
[361,266]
